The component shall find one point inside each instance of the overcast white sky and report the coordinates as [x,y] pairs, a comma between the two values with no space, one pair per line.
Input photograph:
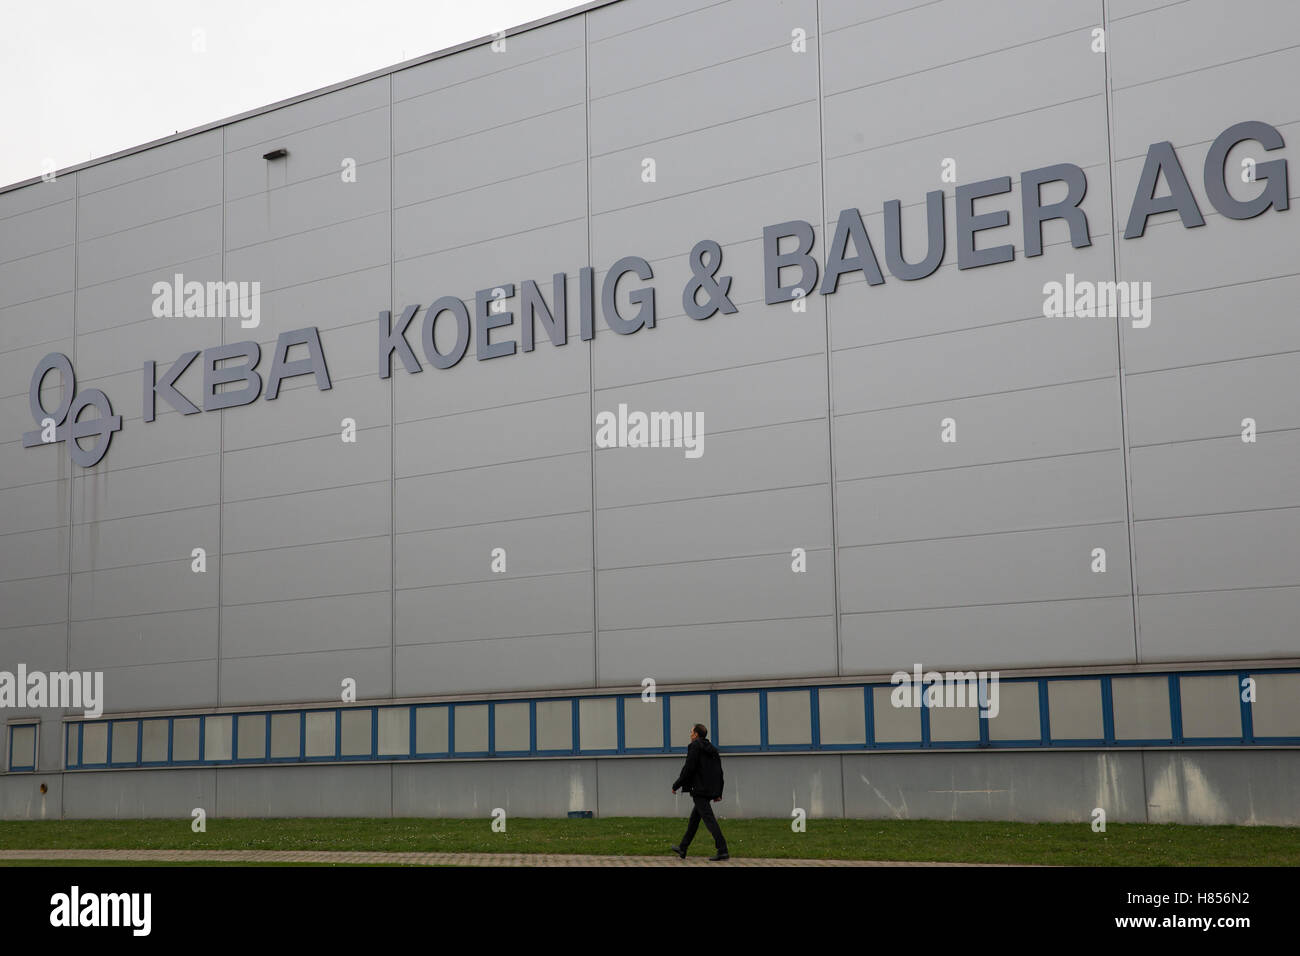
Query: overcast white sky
[85,78]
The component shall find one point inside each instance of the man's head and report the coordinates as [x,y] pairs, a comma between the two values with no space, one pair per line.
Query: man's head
[699,731]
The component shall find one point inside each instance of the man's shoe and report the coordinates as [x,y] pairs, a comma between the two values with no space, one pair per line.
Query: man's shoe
[724,855]
[679,851]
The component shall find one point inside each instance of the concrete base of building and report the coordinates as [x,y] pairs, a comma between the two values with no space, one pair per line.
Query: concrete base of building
[1246,787]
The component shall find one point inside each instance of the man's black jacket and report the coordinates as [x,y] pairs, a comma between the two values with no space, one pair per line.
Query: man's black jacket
[702,773]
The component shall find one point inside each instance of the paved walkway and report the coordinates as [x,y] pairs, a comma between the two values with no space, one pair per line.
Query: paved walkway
[425,859]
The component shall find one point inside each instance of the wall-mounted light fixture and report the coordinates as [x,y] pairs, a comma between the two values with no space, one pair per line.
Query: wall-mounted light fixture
[276,154]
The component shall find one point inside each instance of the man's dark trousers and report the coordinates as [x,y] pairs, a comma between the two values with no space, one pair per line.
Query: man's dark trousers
[703,811]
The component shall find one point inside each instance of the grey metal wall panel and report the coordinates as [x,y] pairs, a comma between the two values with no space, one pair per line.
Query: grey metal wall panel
[1010,496]
[680,346]
[952,300]
[1253,622]
[1216,476]
[1091,631]
[168,536]
[348,299]
[724,213]
[352,791]
[35,277]
[474,666]
[746,650]
[999,358]
[535,546]
[305,412]
[1194,331]
[306,676]
[735,462]
[163,686]
[33,507]
[1216,552]
[165,794]
[552,788]
[463,270]
[313,517]
[551,373]
[40,230]
[311,256]
[533,200]
[1122,9]
[697,160]
[161,159]
[784,391]
[492,436]
[149,248]
[511,607]
[1046,565]
[268,129]
[27,467]
[127,347]
[158,638]
[478,160]
[1211,32]
[128,300]
[314,570]
[1209,401]
[330,623]
[883,48]
[478,62]
[702,37]
[907,170]
[142,589]
[313,204]
[315,463]
[1057,420]
[763,522]
[315,152]
[34,554]
[187,483]
[559,484]
[1217,788]
[712,592]
[1197,106]
[171,437]
[163,195]
[515,92]
[956,94]
[35,323]
[34,600]
[757,83]
[1067,786]
[16,202]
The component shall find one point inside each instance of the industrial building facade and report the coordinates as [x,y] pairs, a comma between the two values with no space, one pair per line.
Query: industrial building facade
[985,326]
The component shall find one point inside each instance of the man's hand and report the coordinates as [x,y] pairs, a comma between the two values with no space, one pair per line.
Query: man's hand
[674,791]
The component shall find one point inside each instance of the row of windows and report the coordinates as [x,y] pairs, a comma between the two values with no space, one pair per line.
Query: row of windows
[1218,708]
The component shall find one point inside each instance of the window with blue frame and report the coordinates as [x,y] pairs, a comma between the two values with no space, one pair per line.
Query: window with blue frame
[1200,708]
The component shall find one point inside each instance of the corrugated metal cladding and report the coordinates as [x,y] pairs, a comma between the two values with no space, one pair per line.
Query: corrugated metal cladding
[372,560]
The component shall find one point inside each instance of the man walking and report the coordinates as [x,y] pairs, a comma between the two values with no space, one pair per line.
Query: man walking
[701,777]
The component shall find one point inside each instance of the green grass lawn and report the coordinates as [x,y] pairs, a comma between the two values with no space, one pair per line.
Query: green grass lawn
[1123,844]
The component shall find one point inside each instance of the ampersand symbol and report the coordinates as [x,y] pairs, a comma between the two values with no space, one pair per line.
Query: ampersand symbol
[714,290]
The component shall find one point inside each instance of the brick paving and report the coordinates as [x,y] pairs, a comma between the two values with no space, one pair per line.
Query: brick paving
[355,858]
